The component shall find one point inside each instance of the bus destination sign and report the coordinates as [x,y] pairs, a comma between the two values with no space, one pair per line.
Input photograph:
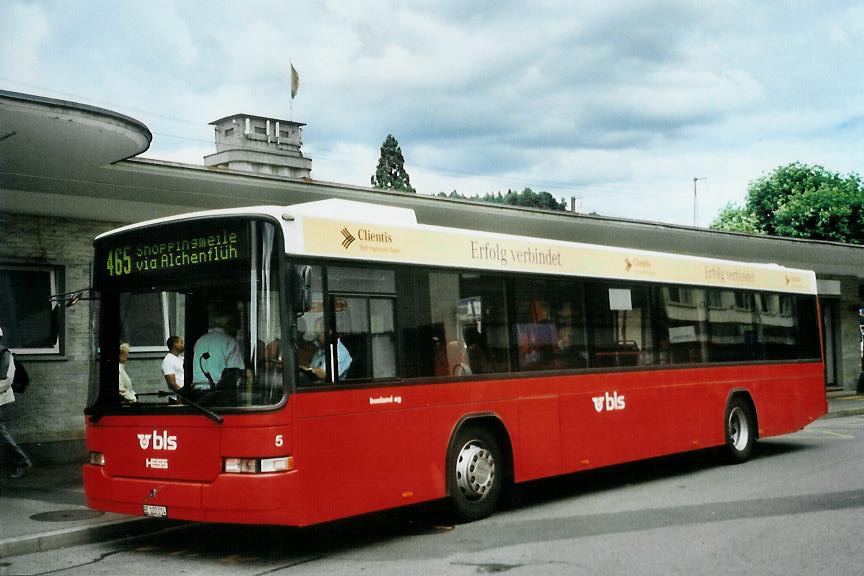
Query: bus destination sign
[171,250]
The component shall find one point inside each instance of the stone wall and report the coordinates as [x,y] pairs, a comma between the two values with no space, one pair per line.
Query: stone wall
[52,408]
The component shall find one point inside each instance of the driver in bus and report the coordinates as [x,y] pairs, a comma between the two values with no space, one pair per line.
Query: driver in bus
[216,351]
[318,362]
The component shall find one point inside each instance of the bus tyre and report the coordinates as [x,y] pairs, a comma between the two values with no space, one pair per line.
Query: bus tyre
[475,473]
[740,426]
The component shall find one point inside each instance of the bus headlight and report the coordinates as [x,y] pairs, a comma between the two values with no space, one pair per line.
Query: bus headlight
[97,458]
[258,465]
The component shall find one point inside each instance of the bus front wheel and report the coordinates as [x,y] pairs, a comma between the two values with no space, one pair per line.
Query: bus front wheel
[475,473]
[740,426]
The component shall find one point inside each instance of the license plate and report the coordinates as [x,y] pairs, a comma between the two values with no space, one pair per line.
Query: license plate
[155,511]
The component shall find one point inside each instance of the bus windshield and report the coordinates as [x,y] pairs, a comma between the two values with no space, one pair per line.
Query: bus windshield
[189,313]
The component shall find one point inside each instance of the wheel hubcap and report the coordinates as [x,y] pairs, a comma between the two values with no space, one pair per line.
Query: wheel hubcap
[475,471]
[739,428]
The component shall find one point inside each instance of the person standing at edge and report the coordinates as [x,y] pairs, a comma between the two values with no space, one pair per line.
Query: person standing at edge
[7,397]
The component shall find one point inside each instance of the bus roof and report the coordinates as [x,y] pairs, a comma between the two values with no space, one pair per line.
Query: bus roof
[359,231]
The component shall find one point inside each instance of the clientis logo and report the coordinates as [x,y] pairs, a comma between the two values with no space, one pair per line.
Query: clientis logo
[348,238]
[364,235]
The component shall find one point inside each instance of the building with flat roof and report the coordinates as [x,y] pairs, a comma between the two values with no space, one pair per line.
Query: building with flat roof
[69,172]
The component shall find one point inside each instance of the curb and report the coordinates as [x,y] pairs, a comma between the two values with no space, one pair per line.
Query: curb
[63,537]
[843,413]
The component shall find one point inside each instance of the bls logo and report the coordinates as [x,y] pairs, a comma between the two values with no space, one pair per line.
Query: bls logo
[159,441]
[610,403]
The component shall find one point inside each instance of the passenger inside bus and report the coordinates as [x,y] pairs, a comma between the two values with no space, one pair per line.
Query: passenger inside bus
[567,353]
[125,383]
[477,354]
[317,366]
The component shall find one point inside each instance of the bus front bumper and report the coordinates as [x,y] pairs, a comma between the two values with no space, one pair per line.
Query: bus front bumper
[230,498]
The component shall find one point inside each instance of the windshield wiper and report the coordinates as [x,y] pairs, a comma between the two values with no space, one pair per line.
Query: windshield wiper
[206,412]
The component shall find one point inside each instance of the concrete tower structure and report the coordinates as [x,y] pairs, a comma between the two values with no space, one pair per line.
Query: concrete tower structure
[261,145]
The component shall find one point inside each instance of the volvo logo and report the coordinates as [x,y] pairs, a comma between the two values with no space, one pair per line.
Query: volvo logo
[153,493]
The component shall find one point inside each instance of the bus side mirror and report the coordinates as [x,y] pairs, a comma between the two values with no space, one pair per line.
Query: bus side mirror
[302,289]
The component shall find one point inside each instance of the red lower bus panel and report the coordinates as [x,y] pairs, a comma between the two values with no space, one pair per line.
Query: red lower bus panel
[361,450]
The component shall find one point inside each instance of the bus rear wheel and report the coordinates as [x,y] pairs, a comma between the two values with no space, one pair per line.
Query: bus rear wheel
[475,473]
[740,426]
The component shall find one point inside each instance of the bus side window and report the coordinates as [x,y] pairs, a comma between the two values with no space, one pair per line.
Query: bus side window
[362,304]
[620,325]
[366,328]
[482,316]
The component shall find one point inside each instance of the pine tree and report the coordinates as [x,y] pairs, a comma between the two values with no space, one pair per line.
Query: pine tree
[390,173]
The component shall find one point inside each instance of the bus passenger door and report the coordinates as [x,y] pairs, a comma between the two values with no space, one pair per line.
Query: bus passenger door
[357,432]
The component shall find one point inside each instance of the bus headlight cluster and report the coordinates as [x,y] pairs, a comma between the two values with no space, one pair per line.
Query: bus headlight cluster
[97,458]
[258,465]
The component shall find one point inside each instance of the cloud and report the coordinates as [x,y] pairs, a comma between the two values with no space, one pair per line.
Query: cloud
[24,29]
[847,31]
[621,104]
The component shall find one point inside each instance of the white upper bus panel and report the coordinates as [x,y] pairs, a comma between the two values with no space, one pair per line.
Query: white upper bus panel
[348,230]
[368,232]
[356,211]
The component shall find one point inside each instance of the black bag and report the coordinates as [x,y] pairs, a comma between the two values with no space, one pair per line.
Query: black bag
[21,379]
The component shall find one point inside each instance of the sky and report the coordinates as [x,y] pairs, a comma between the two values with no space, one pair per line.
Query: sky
[617,104]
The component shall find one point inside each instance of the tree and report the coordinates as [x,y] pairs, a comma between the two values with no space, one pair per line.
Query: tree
[800,201]
[527,198]
[390,173]
[736,219]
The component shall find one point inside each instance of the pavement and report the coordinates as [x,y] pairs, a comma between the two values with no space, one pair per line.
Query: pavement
[46,509]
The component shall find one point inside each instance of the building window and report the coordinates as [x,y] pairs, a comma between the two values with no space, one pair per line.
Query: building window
[31,321]
[743,300]
[714,298]
[679,295]
[147,319]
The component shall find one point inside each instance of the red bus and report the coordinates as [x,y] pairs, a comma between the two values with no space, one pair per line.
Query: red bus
[342,359]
